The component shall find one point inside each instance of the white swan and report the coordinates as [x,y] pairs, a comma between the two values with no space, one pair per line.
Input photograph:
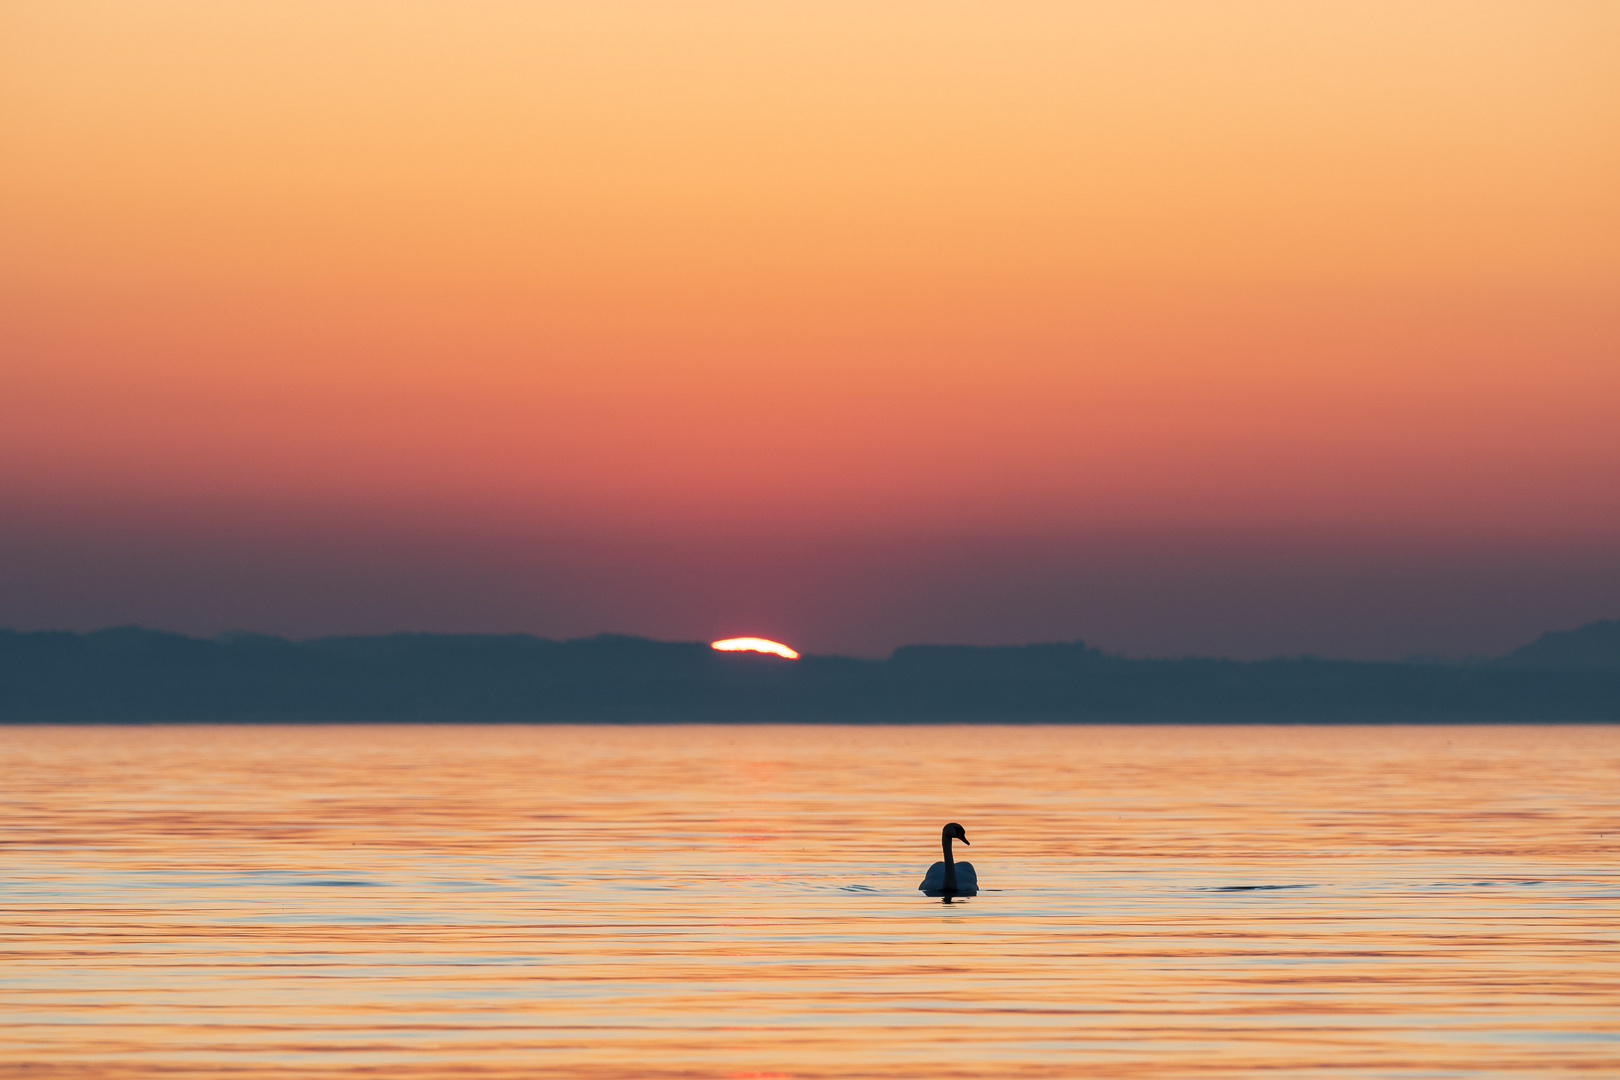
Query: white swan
[951,878]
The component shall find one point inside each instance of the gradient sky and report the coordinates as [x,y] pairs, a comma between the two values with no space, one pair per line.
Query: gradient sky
[1243,329]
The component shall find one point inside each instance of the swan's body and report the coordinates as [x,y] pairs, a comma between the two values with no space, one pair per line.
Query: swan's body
[967,882]
[949,877]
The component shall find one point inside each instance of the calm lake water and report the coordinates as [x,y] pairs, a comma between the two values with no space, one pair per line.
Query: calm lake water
[741,902]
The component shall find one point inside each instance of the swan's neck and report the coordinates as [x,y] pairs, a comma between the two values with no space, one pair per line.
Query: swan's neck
[950,863]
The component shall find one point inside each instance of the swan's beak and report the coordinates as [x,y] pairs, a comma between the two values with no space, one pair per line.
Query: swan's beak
[964,840]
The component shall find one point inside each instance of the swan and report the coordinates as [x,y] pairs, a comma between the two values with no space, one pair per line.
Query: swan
[951,878]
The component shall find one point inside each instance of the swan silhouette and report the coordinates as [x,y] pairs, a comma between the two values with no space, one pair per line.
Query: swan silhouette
[951,878]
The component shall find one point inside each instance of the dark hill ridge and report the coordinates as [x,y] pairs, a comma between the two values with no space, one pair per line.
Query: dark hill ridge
[144,676]
[1593,645]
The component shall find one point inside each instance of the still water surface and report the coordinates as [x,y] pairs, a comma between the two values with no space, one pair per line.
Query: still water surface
[740,902]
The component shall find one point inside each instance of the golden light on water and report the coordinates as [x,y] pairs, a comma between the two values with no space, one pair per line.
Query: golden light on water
[755,644]
[665,902]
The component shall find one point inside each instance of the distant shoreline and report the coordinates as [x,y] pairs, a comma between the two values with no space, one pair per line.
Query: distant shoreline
[839,722]
[130,675]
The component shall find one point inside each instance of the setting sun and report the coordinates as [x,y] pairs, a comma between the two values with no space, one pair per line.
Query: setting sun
[755,644]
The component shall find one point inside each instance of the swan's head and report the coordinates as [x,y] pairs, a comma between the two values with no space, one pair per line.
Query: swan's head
[953,831]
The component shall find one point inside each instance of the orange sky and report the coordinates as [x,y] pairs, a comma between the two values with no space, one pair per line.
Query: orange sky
[612,270]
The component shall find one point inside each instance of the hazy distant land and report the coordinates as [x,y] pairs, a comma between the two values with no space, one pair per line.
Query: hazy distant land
[133,675]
